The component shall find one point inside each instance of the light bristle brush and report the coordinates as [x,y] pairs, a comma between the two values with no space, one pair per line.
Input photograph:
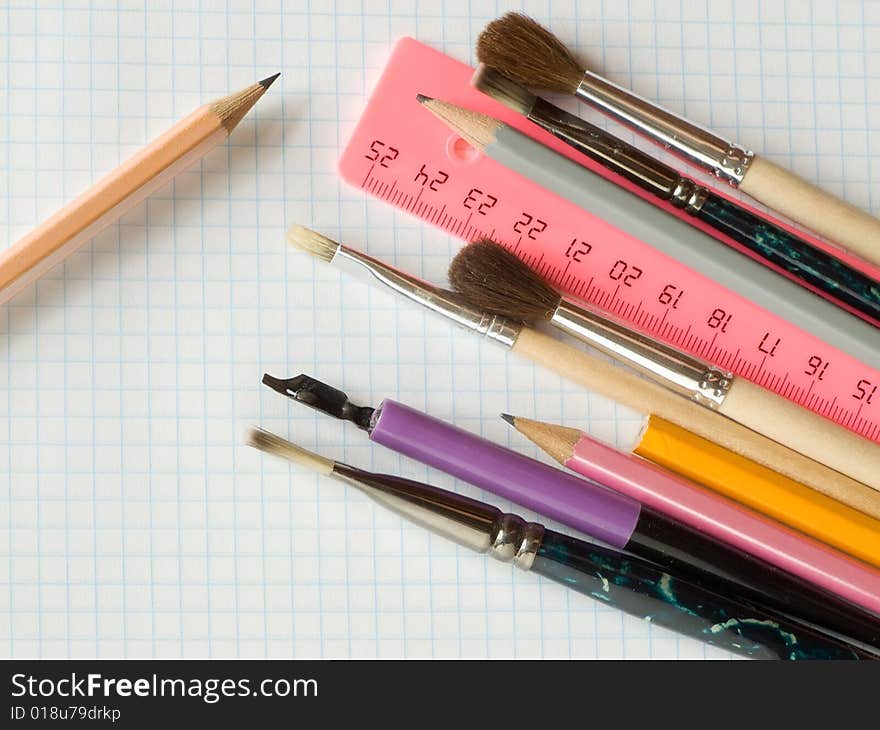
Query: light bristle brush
[591,371]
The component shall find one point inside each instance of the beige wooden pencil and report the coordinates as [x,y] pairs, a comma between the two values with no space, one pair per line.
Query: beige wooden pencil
[119,191]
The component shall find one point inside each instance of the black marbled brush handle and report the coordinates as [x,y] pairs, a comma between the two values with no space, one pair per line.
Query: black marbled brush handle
[719,567]
[774,244]
[799,258]
[642,589]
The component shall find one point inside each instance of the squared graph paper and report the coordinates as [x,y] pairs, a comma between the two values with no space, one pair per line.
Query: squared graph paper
[133,523]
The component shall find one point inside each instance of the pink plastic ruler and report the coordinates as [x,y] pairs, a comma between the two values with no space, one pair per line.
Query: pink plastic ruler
[400,153]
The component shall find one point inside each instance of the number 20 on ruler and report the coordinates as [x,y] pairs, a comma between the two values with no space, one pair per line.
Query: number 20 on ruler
[422,169]
[478,215]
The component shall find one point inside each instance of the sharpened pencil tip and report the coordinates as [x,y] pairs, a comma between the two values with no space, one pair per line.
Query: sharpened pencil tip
[510,419]
[267,82]
[275,384]
[422,99]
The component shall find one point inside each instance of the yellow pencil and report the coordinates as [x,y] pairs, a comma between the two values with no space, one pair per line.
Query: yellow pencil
[118,192]
[760,488]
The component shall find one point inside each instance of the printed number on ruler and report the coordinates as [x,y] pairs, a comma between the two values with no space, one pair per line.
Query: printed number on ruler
[401,154]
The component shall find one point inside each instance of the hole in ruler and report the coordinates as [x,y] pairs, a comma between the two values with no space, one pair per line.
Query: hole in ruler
[460,150]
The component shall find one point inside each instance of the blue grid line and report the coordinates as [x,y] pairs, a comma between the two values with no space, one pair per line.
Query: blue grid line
[136,524]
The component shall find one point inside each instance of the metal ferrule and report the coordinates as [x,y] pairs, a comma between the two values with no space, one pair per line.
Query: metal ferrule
[639,167]
[724,159]
[618,156]
[689,196]
[676,370]
[468,522]
[444,302]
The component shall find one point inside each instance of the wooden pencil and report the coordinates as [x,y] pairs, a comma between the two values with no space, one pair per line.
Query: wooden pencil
[707,511]
[493,279]
[122,189]
[632,215]
[760,488]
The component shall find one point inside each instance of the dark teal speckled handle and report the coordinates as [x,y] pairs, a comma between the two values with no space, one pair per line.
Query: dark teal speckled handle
[641,589]
[799,258]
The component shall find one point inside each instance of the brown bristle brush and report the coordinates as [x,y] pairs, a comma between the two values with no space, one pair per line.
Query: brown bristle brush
[526,52]
[495,280]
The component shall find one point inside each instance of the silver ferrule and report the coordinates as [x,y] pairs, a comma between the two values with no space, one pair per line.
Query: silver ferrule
[676,370]
[516,540]
[468,522]
[724,159]
[615,154]
[689,196]
[444,302]
[618,156]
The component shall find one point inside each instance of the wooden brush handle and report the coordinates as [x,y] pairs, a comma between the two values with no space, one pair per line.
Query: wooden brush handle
[803,431]
[646,397]
[841,223]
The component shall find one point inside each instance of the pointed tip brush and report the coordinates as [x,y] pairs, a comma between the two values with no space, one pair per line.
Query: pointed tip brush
[493,279]
[531,55]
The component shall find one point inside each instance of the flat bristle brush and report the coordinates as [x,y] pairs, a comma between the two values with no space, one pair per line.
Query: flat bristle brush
[494,279]
[528,53]
[592,372]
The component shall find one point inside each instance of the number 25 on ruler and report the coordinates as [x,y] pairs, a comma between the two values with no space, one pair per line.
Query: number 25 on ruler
[616,283]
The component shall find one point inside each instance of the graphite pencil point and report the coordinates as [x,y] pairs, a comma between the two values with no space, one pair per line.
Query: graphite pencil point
[267,82]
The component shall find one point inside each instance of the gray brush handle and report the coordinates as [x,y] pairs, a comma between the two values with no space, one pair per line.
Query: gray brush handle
[686,244]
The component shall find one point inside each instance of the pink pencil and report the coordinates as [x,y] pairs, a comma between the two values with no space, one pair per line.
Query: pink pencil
[708,512]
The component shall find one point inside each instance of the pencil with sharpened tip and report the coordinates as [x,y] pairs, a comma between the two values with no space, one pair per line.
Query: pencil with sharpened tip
[151,168]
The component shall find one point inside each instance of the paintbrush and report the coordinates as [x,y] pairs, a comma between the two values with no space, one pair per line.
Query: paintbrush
[633,215]
[528,53]
[765,239]
[495,280]
[591,371]
[619,521]
[631,584]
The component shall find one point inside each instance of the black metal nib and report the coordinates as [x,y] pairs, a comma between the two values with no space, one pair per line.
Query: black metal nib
[322,397]
[276,384]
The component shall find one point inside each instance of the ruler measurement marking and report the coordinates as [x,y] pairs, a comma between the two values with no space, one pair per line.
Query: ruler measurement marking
[571,236]
[369,172]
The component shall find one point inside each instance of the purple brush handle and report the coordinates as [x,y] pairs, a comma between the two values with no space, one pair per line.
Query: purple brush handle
[585,506]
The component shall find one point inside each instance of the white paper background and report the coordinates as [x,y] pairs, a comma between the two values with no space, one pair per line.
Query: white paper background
[132,523]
